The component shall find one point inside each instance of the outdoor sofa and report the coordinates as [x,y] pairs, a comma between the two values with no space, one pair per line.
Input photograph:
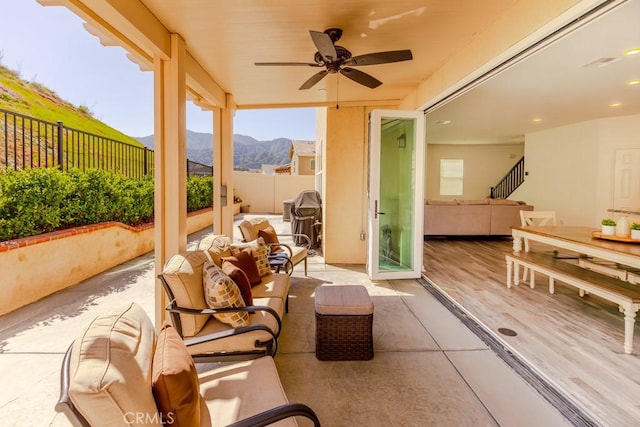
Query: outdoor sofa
[120,372]
[193,318]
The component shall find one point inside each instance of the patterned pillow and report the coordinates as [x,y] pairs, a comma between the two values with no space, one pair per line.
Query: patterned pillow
[259,253]
[222,292]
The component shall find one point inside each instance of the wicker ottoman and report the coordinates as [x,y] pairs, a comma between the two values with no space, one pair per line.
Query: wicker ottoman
[344,320]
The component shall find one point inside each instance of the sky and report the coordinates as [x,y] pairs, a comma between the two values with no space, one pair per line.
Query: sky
[50,46]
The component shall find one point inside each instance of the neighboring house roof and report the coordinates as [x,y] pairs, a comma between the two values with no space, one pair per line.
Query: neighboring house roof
[283,170]
[302,148]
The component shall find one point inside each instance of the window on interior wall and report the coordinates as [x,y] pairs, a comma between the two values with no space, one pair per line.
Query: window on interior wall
[451,177]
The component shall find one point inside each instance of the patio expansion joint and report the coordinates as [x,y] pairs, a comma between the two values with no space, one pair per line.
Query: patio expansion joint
[552,394]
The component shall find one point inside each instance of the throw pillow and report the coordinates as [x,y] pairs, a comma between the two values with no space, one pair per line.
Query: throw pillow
[222,292]
[240,279]
[260,256]
[174,383]
[271,238]
[245,262]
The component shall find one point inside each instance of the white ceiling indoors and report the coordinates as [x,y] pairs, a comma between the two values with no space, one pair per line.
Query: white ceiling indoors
[575,78]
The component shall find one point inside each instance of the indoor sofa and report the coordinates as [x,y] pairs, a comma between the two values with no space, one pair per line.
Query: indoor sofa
[484,217]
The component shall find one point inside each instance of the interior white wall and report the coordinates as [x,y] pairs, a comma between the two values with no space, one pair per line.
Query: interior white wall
[484,165]
[571,168]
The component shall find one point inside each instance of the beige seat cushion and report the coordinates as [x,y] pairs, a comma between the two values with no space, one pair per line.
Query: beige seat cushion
[244,341]
[110,368]
[217,246]
[243,389]
[298,254]
[272,286]
[183,274]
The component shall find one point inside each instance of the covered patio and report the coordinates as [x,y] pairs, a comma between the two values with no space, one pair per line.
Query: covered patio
[429,368]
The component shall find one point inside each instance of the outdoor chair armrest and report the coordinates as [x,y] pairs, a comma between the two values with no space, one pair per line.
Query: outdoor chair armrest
[304,236]
[278,413]
[233,332]
[174,308]
[64,404]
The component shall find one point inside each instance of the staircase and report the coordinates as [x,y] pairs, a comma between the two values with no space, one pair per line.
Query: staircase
[509,182]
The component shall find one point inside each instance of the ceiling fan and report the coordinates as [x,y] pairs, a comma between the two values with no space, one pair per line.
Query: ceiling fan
[337,59]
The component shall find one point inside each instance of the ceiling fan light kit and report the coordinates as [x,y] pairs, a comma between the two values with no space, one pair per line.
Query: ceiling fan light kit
[337,59]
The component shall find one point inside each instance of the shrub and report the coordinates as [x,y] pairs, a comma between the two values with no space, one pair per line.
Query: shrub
[32,202]
[199,193]
[37,201]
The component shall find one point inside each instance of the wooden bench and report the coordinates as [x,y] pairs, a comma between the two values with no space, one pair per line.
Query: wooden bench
[626,295]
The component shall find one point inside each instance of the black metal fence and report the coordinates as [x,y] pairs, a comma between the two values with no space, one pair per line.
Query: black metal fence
[27,142]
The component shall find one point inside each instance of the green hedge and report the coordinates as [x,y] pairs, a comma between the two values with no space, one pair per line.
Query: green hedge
[37,201]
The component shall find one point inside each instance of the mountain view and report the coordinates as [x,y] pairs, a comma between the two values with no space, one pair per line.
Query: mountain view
[248,154]
[36,100]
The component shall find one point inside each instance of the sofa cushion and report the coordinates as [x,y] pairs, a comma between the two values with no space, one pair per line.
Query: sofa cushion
[175,384]
[110,370]
[484,201]
[505,202]
[240,279]
[183,274]
[275,285]
[441,202]
[243,389]
[217,246]
[243,259]
[271,238]
[222,292]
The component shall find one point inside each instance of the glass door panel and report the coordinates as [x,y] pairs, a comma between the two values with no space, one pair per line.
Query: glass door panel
[395,194]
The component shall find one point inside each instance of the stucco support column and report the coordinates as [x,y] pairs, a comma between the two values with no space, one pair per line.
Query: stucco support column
[170,161]
[217,171]
[226,163]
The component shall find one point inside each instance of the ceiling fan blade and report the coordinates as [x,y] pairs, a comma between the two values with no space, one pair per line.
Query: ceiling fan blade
[324,45]
[360,77]
[380,58]
[308,64]
[313,80]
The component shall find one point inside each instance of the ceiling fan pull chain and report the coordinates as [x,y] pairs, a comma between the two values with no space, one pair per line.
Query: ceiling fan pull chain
[337,90]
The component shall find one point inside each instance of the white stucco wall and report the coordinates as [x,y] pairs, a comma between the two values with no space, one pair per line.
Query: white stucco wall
[571,168]
[484,165]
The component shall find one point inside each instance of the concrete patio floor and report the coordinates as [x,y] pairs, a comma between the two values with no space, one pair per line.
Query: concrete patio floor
[33,340]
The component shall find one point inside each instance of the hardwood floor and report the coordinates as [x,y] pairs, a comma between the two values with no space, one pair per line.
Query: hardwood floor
[575,343]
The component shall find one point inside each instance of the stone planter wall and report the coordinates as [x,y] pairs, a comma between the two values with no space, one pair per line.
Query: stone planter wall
[37,266]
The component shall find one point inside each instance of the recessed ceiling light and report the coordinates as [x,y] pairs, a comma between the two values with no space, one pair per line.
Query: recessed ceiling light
[537,119]
[615,104]
[633,82]
[443,122]
[630,52]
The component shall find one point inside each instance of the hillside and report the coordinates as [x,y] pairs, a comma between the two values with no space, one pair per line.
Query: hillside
[248,154]
[35,100]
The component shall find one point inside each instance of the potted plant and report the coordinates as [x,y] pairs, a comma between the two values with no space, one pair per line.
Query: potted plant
[608,227]
[635,231]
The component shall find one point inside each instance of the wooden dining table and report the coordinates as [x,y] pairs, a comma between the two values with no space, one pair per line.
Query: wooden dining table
[580,240]
[586,241]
